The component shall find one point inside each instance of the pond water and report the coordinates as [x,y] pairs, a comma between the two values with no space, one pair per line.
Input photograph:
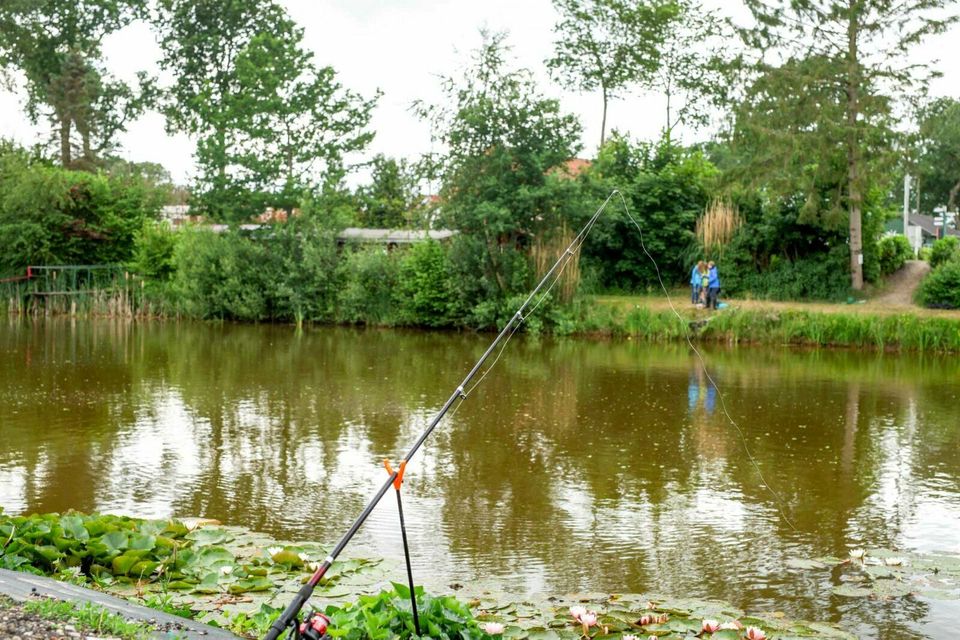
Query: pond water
[577,466]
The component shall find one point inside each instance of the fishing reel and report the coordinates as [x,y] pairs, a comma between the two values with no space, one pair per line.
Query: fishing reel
[313,627]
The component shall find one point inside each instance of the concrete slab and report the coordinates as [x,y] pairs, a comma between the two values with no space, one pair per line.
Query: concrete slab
[21,586]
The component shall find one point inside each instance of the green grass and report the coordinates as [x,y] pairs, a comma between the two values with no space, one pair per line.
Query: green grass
[906,332]
[89,617]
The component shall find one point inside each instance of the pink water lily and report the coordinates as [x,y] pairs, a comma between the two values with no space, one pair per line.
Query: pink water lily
[646,619]
[710,626]
[493,628]
[734,625]
[589,618]
[756,633]
[576,611]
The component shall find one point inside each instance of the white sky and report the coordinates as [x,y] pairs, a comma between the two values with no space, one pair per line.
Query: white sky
[401,48]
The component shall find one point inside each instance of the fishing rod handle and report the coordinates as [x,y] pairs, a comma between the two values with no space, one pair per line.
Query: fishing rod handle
[289,615]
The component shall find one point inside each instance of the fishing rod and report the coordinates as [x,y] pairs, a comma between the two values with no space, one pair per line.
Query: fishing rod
[288,618]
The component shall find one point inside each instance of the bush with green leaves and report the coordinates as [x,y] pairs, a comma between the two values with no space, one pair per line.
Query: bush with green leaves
[944,250]
[50,215]
[893,252]
[426,292]
[941,288]
[388,614]
[368,277]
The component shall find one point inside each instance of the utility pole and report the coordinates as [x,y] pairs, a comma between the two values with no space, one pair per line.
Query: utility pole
[906,208]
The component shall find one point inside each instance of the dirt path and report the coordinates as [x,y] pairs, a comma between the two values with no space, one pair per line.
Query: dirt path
[899,287]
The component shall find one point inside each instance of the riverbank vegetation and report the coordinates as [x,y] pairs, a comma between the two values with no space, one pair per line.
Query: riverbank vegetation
[278,137]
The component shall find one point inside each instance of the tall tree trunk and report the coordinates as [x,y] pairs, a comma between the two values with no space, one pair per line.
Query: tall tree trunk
[854,160]
[952,200]
[603,123]
[65,158]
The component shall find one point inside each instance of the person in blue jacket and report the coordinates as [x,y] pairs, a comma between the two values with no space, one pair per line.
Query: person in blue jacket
[713,285]
[695,276]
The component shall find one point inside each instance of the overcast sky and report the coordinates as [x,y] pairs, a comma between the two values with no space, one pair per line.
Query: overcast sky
[401,48]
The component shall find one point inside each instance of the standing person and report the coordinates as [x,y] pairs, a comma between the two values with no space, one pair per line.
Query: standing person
[713,285]
[695,283]
[704,274]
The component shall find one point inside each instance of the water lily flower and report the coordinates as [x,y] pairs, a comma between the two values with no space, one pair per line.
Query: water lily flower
[735,625]
[646,619]
[630,636]
[576,611]
[493,628]
[662,619]
[893,562]
[589,618]
[272,551]
[226,570]
[303,557]
[710,626]
[857,553]
[756,633]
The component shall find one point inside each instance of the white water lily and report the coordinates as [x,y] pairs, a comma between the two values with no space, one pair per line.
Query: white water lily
[226,570]
[857,553]
[493,628]
[313,566]
[893,562]
[272,551]
[736,626]
[304,557]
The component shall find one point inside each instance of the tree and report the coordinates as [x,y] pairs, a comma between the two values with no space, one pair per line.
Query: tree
[502,138]
[391,196]
[859,44]
[692,69]
[938,163]
[56,46]
[607,45]
[269,121]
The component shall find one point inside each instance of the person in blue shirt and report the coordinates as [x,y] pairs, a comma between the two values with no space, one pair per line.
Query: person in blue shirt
[713,285]
[695,282]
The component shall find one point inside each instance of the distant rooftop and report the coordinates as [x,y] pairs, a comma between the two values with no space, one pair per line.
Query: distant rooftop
[392,236]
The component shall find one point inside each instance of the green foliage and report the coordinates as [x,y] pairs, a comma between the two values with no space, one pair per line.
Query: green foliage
[56,216]
[225,276]
[368,278]
[939,154]
[153,247]
[272,125]
[388,615]
[426,291]
[57,47]
[944,250]
[941,287]
[392,196]
[503,138]
[666,188]
[893,252]
[608,45]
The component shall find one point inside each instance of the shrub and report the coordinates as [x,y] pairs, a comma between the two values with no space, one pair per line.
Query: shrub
[893,251]
[368,279]
[944,250]
[425,288]
[941,287]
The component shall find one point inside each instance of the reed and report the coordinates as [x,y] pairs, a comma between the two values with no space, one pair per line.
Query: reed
[717,226]
[546,252]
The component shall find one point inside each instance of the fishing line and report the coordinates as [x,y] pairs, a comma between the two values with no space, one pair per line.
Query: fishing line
[703,364]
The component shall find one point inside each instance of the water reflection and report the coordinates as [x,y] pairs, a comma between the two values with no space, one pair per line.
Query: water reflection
[577,466]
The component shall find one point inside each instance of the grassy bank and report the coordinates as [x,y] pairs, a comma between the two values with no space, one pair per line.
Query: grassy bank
[855,326]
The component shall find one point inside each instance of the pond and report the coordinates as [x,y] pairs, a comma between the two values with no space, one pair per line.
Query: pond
[577,466]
